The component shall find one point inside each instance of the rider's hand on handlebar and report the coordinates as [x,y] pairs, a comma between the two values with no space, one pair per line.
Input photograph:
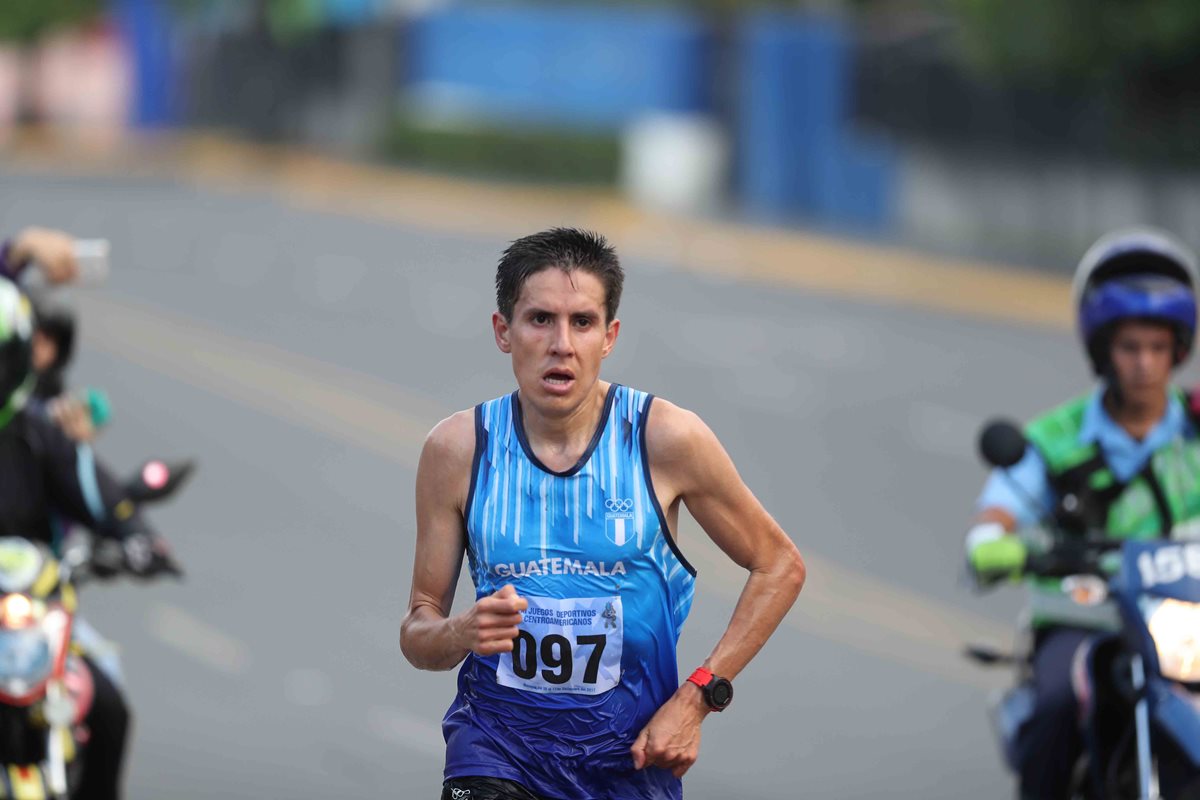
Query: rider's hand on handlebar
[998,559]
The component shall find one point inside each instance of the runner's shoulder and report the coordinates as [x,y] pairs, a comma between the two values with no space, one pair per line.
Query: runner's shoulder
[451,443]
[675,434]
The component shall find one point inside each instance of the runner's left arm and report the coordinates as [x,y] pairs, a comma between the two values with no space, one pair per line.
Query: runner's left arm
[690,465]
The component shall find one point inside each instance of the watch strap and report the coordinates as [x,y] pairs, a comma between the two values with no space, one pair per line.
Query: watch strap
[708,683]
[701,677]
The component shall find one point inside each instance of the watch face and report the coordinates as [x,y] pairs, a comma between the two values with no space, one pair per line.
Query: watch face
[721,693]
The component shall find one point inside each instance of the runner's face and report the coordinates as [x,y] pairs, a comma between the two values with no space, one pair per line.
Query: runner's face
[557,337]
[1143,355]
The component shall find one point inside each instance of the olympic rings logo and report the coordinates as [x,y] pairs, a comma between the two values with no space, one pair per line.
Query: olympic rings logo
[613,504]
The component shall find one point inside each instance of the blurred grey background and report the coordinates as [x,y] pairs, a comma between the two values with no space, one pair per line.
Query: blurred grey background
[846,226]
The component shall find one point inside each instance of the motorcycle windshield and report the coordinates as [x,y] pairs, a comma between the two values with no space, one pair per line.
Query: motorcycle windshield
[25,660]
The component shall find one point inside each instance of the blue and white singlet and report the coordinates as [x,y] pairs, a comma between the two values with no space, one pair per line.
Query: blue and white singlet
[608,594]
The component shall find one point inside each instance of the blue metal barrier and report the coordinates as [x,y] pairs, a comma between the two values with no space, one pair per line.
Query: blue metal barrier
[591,66]
[146,25]
[797,157]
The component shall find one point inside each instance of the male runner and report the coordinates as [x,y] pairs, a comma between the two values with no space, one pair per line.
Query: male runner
[565,497]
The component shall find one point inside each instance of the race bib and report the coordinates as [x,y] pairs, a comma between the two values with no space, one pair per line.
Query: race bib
[570,646]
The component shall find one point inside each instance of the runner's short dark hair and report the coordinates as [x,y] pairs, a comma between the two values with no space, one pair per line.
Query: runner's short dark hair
[568,249]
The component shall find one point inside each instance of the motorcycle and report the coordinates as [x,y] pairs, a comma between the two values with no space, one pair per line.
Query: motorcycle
[46,689]
[1139,687]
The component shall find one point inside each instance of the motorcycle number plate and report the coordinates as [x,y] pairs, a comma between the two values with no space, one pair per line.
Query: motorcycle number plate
[566,646]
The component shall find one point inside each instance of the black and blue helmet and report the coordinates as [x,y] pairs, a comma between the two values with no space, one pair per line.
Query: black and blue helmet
[1135,273]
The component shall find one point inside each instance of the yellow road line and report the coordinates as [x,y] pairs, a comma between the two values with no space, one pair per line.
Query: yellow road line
[771,256]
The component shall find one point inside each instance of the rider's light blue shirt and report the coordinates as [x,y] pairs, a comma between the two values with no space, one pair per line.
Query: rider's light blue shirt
[1025,490]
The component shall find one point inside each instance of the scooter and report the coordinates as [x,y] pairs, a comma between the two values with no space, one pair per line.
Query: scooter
[1138,688]
[46,689]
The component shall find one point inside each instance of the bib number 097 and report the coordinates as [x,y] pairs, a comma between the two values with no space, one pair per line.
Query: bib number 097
[555,657]
[570,645]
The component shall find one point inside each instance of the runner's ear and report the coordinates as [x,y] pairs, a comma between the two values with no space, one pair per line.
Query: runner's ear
[500,329]
[610,336]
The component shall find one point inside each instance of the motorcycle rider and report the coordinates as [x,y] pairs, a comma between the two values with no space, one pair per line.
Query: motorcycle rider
[53,345]
[54,331]
[80,414]
[44,475]
[1122,459]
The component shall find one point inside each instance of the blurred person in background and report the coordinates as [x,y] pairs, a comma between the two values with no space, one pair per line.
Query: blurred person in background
[53,346]
[53,342]
[565,497]
[1127,451]
[53,251]
[46,477]
[79,415]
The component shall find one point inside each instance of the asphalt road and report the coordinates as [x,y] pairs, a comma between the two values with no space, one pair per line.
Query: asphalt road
[301,355]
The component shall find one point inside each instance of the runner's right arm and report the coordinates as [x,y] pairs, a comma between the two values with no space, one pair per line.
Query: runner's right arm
[430,637]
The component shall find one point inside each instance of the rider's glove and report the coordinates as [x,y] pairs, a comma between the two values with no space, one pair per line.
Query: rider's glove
[994,554]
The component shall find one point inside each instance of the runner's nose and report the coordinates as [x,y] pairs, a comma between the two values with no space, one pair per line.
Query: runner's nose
[561,343]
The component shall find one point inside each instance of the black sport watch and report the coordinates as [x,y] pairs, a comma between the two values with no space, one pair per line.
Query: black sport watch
[718,692]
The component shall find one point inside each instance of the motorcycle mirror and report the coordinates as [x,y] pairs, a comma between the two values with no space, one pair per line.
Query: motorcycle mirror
[157,480]
[1002,444]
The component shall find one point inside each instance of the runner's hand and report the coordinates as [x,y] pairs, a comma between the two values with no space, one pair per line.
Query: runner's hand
[671,739]
[491,624]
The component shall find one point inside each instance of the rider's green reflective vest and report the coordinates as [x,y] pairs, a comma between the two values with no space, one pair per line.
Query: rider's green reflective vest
[1163,500]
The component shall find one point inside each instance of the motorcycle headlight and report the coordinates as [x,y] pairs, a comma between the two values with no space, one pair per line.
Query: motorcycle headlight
[20,611]
[1175,627]
[24,660]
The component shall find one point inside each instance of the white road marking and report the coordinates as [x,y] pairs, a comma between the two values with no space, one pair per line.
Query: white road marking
[407,730]
[197,639]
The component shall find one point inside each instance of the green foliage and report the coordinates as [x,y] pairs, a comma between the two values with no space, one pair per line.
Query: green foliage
[287,20]
[1078,39]
[530,153]
[26,21]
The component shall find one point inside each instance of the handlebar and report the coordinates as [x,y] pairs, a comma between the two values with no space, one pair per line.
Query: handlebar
[1072,557]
